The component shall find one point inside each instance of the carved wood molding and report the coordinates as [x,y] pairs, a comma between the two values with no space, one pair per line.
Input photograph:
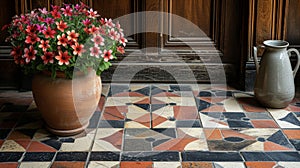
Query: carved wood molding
[267,20]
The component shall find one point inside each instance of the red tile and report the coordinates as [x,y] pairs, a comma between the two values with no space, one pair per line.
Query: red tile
[213,134]
[144,120]
[23,143]
[18,135]
[293,108]
[176,144]
[271,146]
[114,113]
[9,165]
[1,142]
[212,100]
[156,120]
[185,112]
[197,165]
[63,164]
[166,94]
[115,139]
[214,108]
[260,164]
[249,108]
[136,165]
[155,101]
[128,94]
[264,124]
[144,101]
[36,146]
[292,134]
[101,103]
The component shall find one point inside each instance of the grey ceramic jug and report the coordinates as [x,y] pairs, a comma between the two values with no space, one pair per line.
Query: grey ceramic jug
[274,84]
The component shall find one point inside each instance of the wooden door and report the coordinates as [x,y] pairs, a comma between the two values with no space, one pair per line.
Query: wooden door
[171,47]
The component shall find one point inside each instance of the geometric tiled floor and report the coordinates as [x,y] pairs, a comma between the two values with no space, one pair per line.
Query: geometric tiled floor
[156,125]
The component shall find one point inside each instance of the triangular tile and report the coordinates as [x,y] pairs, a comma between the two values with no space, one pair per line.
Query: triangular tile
[143,101]
[156,120]
[290,118]
[143,106]
[36,146]
[155,107]
[166,94]
[115,139]
[156,101]
[271,146]
[145,91]
[279,138]
[202,104]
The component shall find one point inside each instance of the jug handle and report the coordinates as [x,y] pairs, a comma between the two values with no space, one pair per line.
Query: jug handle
[298,60]
[255,58]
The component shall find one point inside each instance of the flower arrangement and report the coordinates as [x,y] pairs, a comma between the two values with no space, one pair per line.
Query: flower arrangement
[67,38]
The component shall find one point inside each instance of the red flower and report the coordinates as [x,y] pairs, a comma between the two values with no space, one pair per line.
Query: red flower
[121,50]
[62,40]
[123,41]
[16,52]
[93,29]
[31,29]
[63,58]
[44,45]
[49,33]
[107,55]
[29,54]
[113,34]
[32,39]
[86,22]
[87,30]
[78,49]
[93,14]
[72,35]
[67,11]
[61,26]
[55,14]
[48,57]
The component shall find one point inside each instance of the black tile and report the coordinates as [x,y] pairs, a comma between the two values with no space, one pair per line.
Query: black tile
[150,156]
[291,118]
[115,89]
[271,156]
[155,107]
[234,115]
[280,139]
[53,143]
[4,133]
[166,131]
[10,156]
[94,120]
[188,123]
[222,93]
[296,144]
[155,90]
[205,94]
[67,140]
[145,91]
[210,156]
[38,156]
[143,106]
[71,156]
[239,124]
[111,124]
[105,156]
[180,87]
[202,104]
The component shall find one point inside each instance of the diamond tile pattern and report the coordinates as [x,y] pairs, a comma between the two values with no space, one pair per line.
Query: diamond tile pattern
[156,125]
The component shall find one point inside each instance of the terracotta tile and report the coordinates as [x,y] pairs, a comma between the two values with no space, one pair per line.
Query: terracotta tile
[1,142]
[197,165]
[292,134]
[166,94]
[214,108]
[249,108]
[260,164]
[36,146]
[156,120]
[136,164]
[144,101]
[293,108]
[115,139]
[213,134]
[176,144]
[128,94]
[9,165]
[63,164]
[264,124]
[101,103]
[18,135]
[271,146]
[232,133]
[114,113]
[185,112]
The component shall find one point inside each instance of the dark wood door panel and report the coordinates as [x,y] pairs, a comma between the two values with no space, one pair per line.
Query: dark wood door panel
[293,24]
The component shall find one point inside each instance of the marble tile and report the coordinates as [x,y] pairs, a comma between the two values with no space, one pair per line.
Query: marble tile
[9,165]
[150,156]
[254,164]
[71,156]
[108,140]
[229,164]
[14,145]
[271,156]
[38,156]
[136,164]
[105,156]
[10,156]
[284,118]
[211,156]
[103,164]
[34,164]
[166,164]
[197,164]
[79,144]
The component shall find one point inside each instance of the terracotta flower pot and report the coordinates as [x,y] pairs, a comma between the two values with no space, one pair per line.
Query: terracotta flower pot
[67,105]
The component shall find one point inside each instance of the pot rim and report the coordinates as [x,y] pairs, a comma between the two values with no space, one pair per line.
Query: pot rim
[276,43]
